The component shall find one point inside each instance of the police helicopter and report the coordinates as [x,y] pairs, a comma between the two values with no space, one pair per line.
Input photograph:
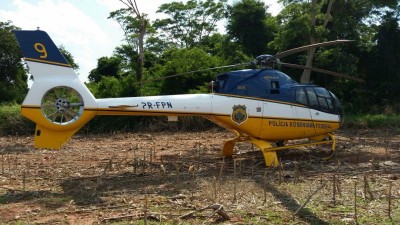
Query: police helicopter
[261,105]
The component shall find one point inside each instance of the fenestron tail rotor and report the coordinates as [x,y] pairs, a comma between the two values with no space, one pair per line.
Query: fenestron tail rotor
[62,105]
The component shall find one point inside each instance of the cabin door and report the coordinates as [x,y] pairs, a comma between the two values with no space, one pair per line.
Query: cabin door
[277,122]
[303,118]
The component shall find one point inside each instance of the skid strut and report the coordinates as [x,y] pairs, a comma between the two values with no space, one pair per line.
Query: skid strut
[269,152]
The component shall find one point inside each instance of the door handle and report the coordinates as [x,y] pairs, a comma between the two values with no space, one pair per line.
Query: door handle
[317,113]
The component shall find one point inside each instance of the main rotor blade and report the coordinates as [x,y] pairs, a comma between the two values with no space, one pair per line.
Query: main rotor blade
[190,72]
[323,71]
[306,47]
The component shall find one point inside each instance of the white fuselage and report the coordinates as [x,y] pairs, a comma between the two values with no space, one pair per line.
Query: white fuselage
[264,119]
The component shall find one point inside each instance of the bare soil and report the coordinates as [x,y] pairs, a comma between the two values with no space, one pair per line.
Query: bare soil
[156,178]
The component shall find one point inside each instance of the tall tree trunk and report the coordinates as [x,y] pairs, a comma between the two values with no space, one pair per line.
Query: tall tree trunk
[142,31]
[305,77]
[140,62]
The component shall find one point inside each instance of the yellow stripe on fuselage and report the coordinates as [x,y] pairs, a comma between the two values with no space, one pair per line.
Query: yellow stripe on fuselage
[273,129]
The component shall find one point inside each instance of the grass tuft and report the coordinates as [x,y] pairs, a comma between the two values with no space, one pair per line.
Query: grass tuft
[372,121]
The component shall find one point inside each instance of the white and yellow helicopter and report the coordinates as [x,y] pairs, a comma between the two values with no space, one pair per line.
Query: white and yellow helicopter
[263,106]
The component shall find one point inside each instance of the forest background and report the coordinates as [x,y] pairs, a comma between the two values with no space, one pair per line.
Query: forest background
[187,39]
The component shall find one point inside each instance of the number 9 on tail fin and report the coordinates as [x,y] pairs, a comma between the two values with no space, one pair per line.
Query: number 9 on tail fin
[37,46]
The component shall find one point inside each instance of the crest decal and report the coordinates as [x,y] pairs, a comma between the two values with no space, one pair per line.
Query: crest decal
[239,114]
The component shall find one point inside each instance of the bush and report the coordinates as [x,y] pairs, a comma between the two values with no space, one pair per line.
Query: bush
[13,123]
[372,121]
[113,124]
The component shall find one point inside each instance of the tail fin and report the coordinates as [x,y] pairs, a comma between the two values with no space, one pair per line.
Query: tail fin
[58,102]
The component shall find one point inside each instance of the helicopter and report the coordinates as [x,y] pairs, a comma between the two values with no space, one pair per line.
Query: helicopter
[261,105]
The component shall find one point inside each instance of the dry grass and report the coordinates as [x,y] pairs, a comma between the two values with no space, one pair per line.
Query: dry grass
[155,178]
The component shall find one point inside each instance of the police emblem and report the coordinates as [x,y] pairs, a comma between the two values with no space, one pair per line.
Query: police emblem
[239,114]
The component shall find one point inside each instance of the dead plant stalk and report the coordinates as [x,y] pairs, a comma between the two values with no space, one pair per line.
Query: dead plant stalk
[308,199]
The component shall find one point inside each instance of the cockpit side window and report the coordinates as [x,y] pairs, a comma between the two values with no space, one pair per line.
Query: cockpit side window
[301,96]
[322,103]
[221,80]
[312,97]
[274,87]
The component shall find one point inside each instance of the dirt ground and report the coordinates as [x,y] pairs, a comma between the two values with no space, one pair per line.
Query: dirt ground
[181,178]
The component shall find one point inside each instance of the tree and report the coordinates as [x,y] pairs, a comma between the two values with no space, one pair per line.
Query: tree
[185,60]
[384,74]
[251,26]
[109,87]
[302,23]
[106,67]
[128,57]
[293,23]
[68,56]
[328,20]
[134,24]
[13,79]
[360,20]
[188,24]
[305,77]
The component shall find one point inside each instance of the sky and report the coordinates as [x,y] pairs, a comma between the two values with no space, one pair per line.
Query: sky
[81,26]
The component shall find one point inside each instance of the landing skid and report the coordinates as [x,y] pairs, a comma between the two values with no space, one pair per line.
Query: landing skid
[269,151]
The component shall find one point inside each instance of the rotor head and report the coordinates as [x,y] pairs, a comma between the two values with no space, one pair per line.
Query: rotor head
[266,61]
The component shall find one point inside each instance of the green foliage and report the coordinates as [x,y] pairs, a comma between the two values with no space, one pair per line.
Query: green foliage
[182,61]
[106,67]
[372,121]
[251,26]
[130,25]
[339,60]
[109,87]
[295,28]
[189,23]
[13,77]
[12,122]
[68,56]
[152,88]
[384,73]
[116,124]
